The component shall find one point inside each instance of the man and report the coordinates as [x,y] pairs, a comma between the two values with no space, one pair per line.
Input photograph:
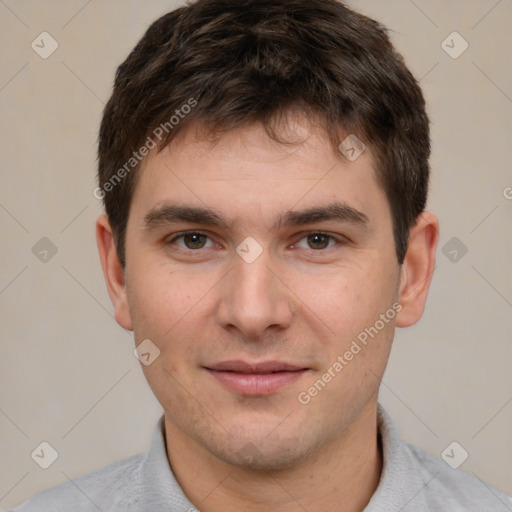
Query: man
[264,170]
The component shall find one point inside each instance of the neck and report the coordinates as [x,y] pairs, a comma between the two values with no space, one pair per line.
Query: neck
[342,473]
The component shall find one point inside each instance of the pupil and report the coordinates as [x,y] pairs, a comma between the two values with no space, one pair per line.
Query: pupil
[317,236]
[196,239]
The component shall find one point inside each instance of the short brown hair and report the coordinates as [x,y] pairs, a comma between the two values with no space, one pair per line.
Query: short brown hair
[231,63]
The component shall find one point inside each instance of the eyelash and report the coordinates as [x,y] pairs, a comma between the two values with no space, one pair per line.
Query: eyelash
[171,241]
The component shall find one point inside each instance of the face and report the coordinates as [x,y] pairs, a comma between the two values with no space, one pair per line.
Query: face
[257,269]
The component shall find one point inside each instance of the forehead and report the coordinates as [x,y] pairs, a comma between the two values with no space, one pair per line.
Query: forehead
[293,133]
[244,171]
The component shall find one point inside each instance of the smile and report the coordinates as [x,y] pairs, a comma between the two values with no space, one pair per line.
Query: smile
[255,379]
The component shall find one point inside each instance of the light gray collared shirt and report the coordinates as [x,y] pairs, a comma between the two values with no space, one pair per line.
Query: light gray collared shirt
[411,481]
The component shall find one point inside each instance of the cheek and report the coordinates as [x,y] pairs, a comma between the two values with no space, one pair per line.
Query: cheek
[159,300]
[372,330]
[172,309]
[343,304]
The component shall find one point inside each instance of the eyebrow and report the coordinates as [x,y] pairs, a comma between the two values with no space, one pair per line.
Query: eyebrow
[171,214]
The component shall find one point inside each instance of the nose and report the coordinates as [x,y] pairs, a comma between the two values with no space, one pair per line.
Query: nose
[254,298]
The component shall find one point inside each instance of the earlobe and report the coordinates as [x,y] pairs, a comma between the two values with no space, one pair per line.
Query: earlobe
[113,272]
[417,269]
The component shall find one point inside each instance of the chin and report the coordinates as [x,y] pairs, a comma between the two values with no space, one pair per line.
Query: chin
[265,455]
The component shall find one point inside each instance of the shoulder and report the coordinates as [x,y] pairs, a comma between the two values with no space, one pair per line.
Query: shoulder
[451,489]
[412,480]
[113,487]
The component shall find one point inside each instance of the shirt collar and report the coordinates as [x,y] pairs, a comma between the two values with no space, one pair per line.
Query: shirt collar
[160,490]
[400,482]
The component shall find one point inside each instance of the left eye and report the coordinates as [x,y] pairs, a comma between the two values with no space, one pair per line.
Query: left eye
[318,241]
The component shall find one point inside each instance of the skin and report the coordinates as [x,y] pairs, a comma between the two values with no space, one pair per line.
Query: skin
[302,301]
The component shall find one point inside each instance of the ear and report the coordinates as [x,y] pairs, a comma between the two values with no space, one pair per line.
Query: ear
[113,272]
[417,269]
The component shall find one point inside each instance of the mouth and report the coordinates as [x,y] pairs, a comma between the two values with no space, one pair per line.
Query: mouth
[255,379]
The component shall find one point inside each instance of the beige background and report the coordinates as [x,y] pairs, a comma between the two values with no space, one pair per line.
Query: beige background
[68,375]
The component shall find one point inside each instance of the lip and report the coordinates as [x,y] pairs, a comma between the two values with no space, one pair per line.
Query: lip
[255,379]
